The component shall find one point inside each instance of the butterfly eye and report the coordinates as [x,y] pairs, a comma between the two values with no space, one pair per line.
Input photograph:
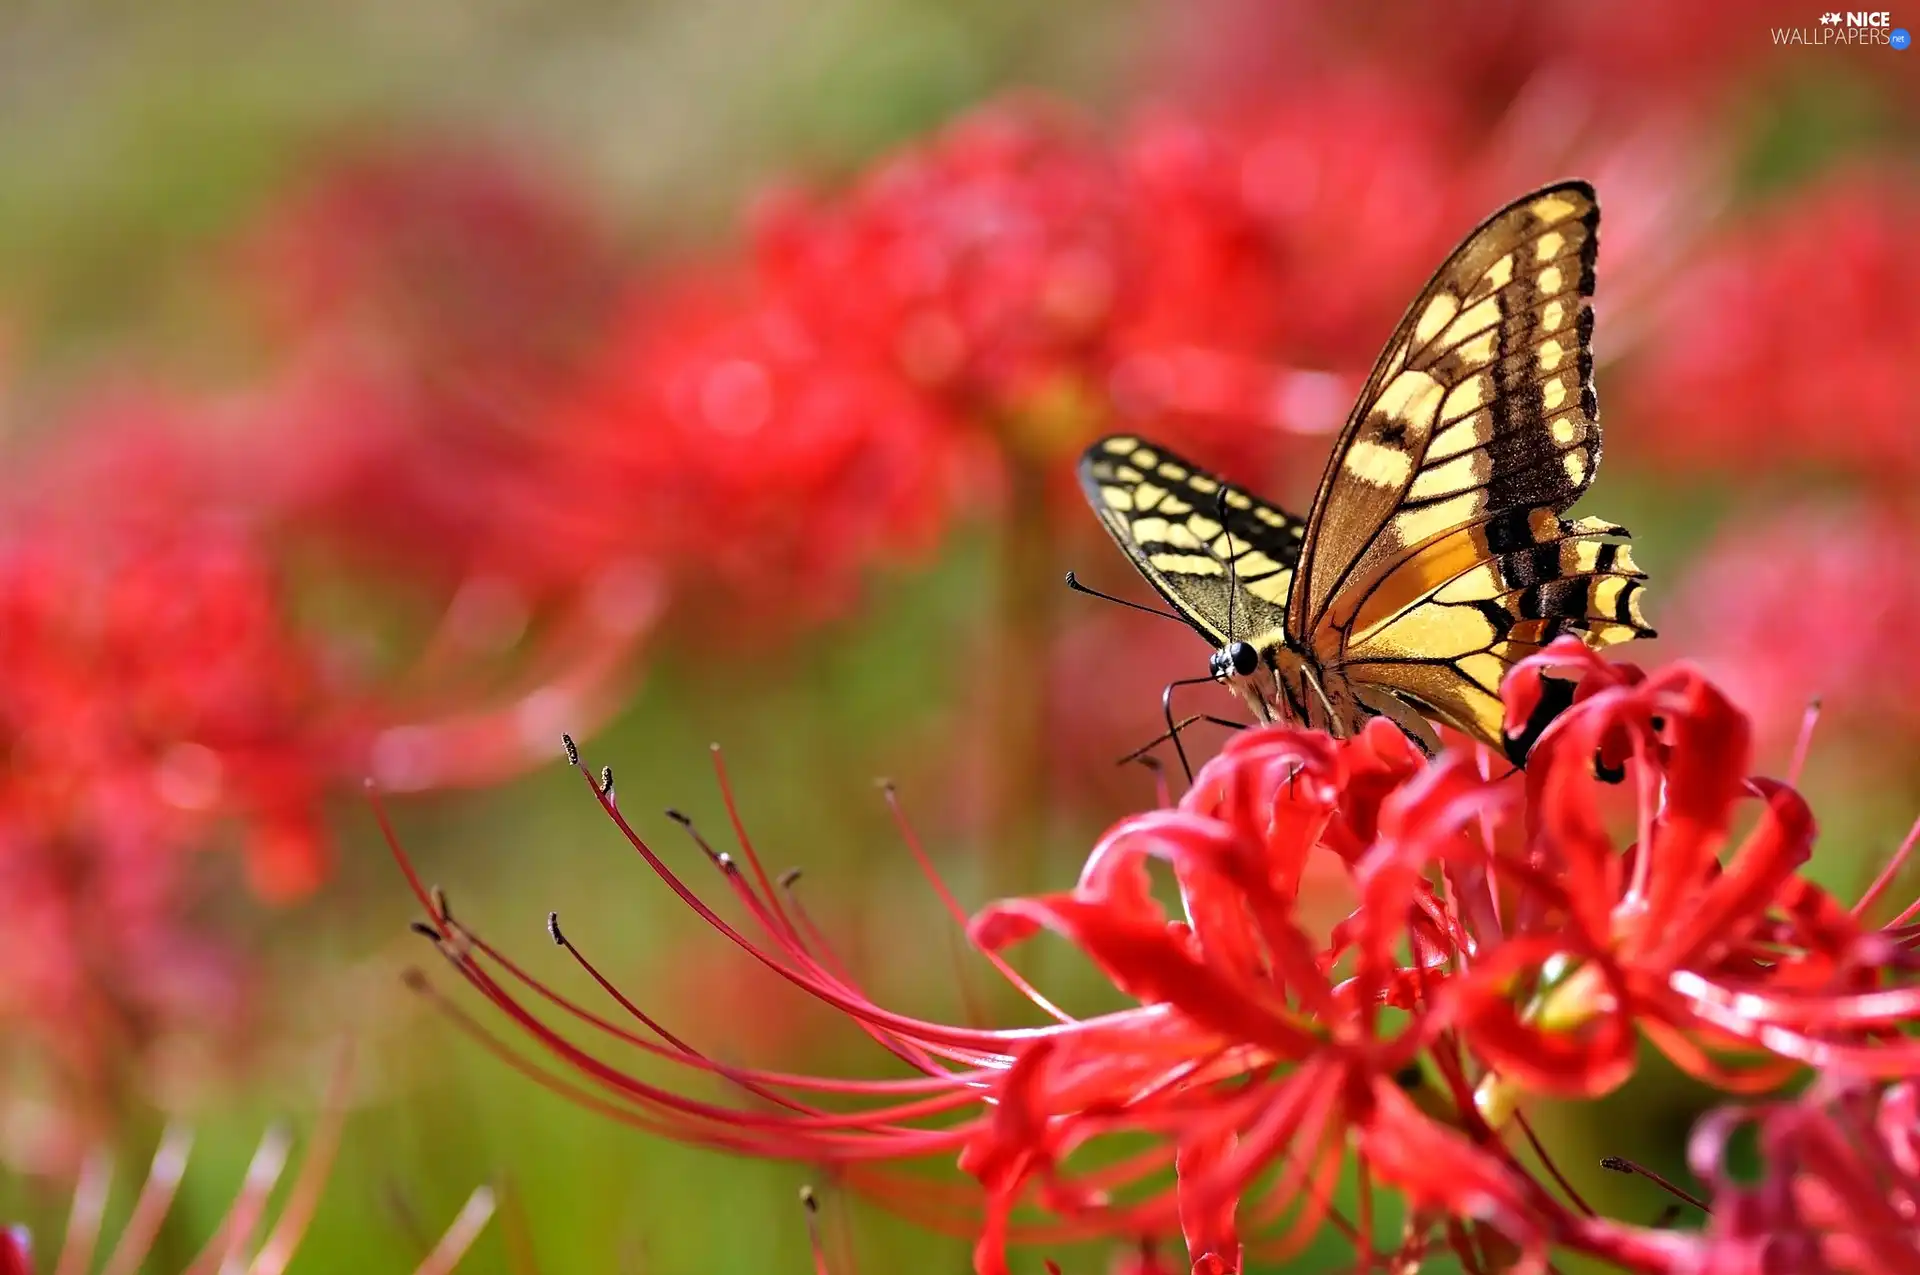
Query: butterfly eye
[1243,658]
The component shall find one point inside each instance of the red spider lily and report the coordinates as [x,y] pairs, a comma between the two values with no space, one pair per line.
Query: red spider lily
[1810,603]
[760,463]
[519,646]
[1520,951]
[1838,1192]
[429,300]
[153,684]
[1799,319]
[1036,279]
[156,701]
[236,1244]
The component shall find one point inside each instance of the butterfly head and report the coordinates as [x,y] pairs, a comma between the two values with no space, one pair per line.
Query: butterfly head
[1234,660]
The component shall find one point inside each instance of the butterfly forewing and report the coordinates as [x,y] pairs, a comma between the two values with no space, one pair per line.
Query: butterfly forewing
[1435,555]
[1230,578]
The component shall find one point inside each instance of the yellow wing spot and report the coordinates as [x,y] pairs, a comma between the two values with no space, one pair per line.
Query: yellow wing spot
[1481,315]
[1461,436]
[1550,279]
[1413,526]
[1149,494]
[1269,517]
[1552,394]
[1369,462]
[1433,632]
[1144,458]
[1205,528]
[1606,634]
[1255,564]
[1128,474]
[1438,314]
[1553,208]
[1548,246]
[1485,669]
[1187,564]
[1477,585]
[1565,429]
[1172,473]
[1117,498]
[1273,589]
[1122,446]
[1500,273]
[1174,507]
[1551,352]
[1458,475]
[1204,485]
[1239,500]
[1606,594]
[1161,531]
[1477,352]
[1553,315]
[1576,465]
[1467,397]
[1410,399]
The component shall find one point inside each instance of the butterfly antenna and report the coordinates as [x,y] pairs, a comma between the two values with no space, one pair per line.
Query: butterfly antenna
[1073,583]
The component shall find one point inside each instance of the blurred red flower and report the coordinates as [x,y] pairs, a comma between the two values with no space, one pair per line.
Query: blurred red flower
[426,302]
[1788,343]
[1811,604]
[155,702]
[1521,950]
[1039,279]
[764,467]
[1840,1188]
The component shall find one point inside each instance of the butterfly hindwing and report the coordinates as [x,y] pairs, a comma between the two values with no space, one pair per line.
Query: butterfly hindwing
[1229,579]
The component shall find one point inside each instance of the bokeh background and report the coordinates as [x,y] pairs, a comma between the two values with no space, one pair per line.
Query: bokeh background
[385,389]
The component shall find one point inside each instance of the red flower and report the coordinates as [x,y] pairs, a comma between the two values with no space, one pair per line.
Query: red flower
[1522,951]
[429,303]
[1036,279]
[155,702]
[1838,1192]
[762,465]
[1798,328]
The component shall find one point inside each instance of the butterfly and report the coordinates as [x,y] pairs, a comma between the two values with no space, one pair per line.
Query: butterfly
[1435,554]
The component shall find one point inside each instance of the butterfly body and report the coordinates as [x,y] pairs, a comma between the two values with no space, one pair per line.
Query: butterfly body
[1435,555]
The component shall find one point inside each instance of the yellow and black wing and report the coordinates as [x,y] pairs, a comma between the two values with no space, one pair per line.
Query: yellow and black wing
[1221,556]
[1435,554]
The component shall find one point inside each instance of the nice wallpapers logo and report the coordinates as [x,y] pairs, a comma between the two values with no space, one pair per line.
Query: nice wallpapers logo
[1847,30]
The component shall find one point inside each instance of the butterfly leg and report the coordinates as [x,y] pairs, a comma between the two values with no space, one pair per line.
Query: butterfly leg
[1320,693]
[1140,753]
[1166,711]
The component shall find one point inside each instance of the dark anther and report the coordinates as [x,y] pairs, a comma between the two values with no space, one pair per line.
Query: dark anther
[788,878]
[425,931]
[606,782]
[553,929]
[573,750]
[441,908]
